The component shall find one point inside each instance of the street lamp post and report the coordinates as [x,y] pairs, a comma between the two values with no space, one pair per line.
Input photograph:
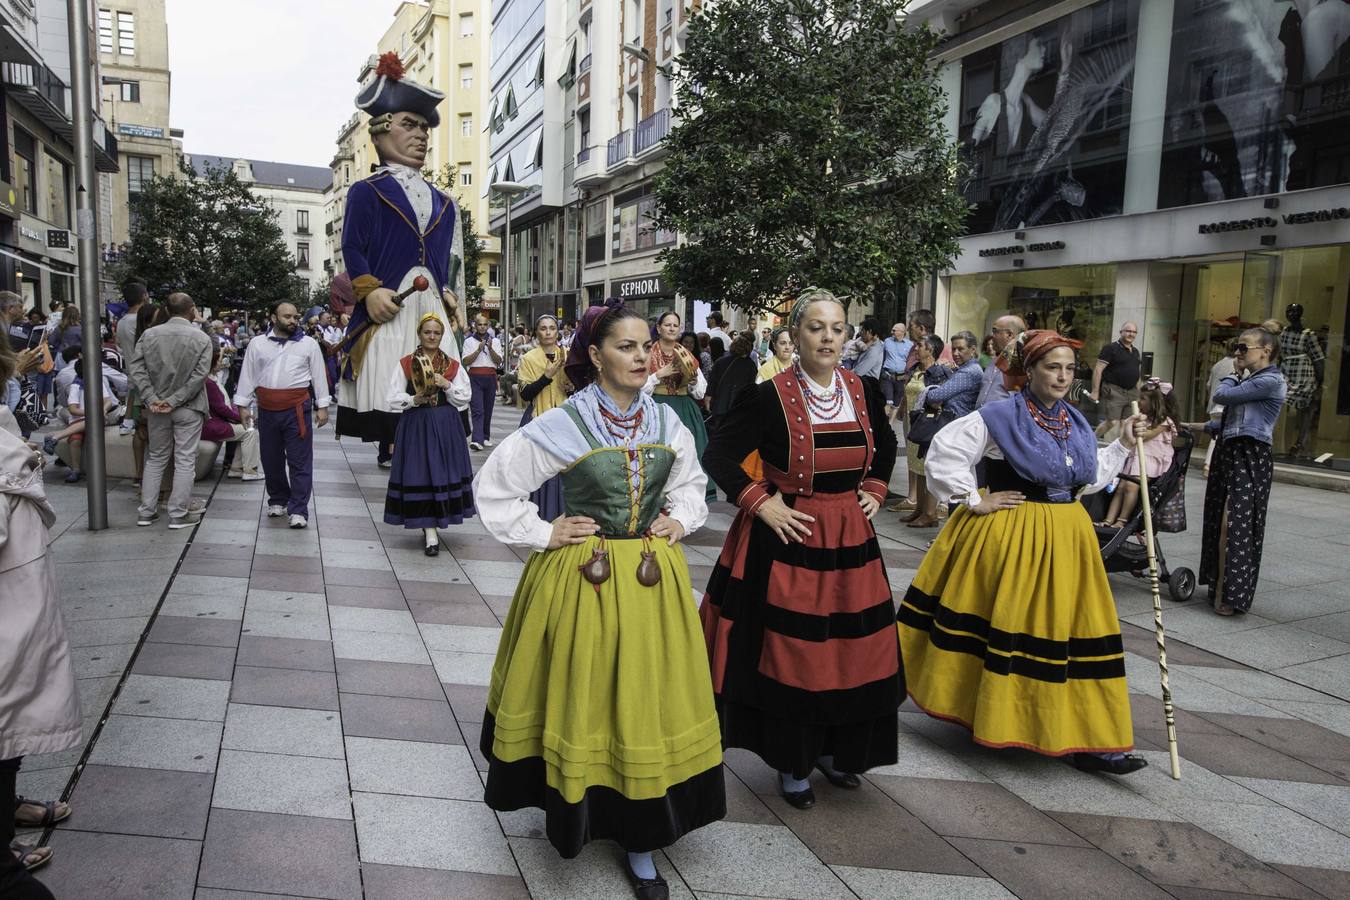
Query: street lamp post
[509,190]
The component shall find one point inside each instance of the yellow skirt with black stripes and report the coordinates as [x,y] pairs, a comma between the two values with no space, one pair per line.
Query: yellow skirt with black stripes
[1010,629]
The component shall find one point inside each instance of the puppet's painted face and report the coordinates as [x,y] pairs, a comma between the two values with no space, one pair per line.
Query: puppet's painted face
[405,142]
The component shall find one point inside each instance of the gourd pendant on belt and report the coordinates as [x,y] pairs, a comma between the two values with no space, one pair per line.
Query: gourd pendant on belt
[596,569]
[649,570]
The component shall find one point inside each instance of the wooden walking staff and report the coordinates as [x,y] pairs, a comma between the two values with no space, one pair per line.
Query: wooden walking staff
[1169,714]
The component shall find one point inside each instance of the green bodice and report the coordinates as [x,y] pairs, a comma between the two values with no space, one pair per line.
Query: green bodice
[599,484]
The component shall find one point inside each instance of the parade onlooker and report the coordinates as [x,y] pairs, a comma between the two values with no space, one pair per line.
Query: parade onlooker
[68,332]
[149,316]
[283,374]
[958,394]
[482,355]
[39,704]
[705,353]
[894,364]
[873,353]
[794,685]
[927,373]
[224,425]
[1009,626]
[169,368]
[1115,377]
[1220,370]
[430,482]
[1238,488]
[75,407]
[729,375]
[717,333]
[993,386]
[134,295]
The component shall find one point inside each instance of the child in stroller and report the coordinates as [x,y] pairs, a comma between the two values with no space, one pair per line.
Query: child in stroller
[1123,548]
[1158,403]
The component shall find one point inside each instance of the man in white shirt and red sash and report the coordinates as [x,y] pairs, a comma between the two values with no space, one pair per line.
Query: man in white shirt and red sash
[482,356]
[284,372]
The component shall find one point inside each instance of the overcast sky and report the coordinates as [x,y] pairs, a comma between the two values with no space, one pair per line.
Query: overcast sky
[269,79]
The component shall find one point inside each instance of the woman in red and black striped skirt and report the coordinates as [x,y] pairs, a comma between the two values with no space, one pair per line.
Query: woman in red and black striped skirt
[797,616]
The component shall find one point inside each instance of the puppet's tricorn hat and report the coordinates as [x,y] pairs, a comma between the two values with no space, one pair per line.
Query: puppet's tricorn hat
[391,93]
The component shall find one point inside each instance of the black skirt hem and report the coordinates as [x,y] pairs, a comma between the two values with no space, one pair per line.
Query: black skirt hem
[638,826]
[370,426]
[793,746]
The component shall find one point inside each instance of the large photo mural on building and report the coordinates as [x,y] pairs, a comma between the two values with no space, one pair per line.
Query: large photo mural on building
[1045,120]
[1258,99]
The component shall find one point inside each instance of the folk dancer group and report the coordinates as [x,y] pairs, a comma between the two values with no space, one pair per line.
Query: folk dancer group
[613,695]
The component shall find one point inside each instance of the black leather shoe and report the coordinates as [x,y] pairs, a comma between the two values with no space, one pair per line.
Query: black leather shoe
[845,780]
[1090,762]
[432,549]
[799,799]
[647,888]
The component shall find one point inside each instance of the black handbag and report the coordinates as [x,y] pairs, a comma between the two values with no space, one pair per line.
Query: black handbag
[924,424]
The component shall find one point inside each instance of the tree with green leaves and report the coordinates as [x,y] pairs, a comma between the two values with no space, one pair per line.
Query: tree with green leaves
[207,234]
[445,179]
[809,149]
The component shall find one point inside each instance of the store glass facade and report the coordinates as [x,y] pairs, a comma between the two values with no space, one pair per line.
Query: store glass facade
[1077,301]
[1220,298]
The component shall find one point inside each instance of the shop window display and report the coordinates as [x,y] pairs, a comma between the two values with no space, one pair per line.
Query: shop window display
[1076,301]
[1305,291]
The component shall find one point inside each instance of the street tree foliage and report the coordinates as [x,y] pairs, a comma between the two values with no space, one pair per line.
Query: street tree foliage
[809,149]
[446,180]
[207,234]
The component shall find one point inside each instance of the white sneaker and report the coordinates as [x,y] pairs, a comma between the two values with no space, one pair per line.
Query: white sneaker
[474,445]
[487,442]
[275,512]
[299,521]
[386,464]
[126,428]
[235,473]
[252,476]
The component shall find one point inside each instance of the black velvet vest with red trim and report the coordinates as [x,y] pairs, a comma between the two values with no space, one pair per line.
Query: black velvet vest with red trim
[801,459]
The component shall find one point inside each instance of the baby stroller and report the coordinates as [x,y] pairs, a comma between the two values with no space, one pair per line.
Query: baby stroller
[1121,552]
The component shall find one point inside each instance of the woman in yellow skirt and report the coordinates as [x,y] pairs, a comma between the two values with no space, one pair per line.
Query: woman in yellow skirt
[600,710]
[1009,627]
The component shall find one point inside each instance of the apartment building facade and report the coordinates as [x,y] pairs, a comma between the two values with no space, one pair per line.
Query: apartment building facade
[297,194]
[37,166]
[132,38]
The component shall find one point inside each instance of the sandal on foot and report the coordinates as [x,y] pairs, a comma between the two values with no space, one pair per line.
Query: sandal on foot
[31,857]
[49,813]
[923,522]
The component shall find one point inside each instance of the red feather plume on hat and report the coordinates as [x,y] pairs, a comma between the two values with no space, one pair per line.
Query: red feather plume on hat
[390,66]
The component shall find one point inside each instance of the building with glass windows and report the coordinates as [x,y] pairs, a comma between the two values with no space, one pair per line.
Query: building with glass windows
[1182,164]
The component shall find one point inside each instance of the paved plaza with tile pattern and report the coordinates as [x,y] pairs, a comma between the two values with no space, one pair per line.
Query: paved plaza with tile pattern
[276,713]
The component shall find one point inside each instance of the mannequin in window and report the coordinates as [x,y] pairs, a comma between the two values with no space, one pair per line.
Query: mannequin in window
[1304,365]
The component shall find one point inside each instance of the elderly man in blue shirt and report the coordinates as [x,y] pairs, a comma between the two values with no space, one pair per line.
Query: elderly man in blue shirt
[896,354]
[992,388]
[958,394]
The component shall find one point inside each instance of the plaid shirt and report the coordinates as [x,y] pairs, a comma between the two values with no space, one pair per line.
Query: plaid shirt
[1299,350]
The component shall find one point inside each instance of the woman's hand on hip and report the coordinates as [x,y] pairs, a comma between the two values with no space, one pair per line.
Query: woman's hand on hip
[869,504]
[785,521]
[668,528]
[571,530]
[998,500]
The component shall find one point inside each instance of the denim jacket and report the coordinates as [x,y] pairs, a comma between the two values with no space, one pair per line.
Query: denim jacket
[1251,405]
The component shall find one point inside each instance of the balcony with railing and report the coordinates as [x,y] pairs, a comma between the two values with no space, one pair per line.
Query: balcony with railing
[620,149]
[38,89]
[585,64]
[583,156]
[651,131]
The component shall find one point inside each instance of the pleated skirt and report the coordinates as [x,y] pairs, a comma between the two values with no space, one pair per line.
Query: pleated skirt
[1010,629]
[431,476]
[804,660]
[600,710]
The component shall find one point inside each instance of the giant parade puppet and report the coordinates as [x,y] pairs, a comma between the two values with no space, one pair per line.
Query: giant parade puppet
[404,252]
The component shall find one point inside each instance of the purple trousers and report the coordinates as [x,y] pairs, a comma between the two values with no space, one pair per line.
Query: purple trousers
[287,459]
[480,406]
